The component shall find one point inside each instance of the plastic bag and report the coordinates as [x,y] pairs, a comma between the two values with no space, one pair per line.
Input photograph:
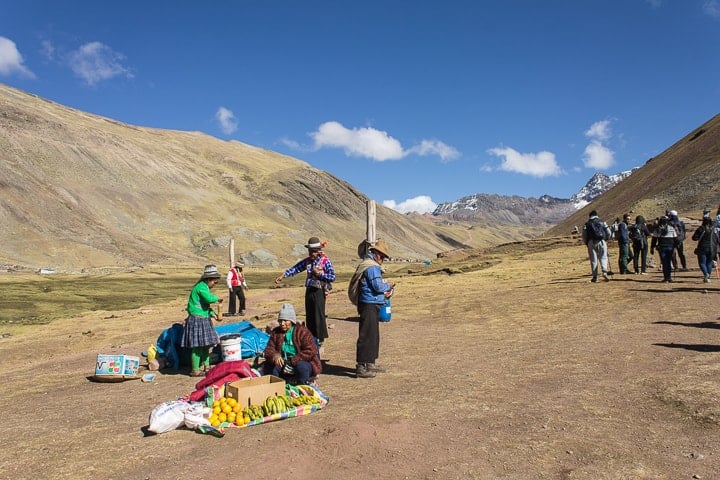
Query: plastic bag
[197,415]
[168,416]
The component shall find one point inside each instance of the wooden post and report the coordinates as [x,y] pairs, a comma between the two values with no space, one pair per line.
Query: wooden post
[370,230]
[232,252]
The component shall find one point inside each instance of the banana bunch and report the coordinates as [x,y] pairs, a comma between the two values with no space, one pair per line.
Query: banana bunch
[305,400]
[277,404]
[253,412]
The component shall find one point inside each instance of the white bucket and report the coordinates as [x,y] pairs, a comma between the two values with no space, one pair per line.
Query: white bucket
[230,346]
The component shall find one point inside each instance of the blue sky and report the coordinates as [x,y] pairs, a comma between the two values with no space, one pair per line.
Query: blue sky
[413,103]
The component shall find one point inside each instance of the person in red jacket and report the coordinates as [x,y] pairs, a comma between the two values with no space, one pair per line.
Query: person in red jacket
[236,286]
[291,352]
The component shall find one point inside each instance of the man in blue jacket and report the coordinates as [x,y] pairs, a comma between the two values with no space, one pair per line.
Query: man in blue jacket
[373,291]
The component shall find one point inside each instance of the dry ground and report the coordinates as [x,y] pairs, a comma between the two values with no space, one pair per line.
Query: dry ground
[523,370]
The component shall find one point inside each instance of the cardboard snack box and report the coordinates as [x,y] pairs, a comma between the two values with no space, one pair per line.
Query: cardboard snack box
[254,391]
[115,368]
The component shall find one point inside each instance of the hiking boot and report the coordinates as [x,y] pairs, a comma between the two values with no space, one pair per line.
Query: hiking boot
[706,279]
[594,280]
[605,276]
[374,367]
[362,371]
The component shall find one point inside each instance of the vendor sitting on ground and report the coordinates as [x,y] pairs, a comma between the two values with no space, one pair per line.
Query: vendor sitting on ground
[291,351]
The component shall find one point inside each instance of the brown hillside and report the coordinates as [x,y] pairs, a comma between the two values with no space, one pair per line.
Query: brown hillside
[83,192]
[685,177]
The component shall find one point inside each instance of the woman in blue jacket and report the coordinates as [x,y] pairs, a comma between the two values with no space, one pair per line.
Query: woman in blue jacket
[373,291]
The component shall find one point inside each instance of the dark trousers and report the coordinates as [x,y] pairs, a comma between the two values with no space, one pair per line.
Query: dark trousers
[640,251]
[239,294]
[666,254]
[315,312]
[368,342]
[624,257]
[681,254]
[303,370]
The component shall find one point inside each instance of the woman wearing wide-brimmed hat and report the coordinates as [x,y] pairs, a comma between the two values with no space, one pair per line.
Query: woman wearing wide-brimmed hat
[320,275]
[373,290]
[199,334]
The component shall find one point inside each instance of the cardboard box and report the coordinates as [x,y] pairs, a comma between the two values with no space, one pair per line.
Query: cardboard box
[254,391]
[119,366]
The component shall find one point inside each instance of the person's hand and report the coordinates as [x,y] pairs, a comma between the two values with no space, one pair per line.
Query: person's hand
[278,361]
[279,279]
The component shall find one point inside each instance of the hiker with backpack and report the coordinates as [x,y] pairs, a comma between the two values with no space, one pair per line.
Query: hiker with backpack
[595,233]
[320,274]
[664,239]
[703,237]
[639,234]
[370,290]
[679,227]
[623,238]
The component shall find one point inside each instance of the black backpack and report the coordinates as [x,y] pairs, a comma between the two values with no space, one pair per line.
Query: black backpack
[636,232]
[595,229]
[679,227]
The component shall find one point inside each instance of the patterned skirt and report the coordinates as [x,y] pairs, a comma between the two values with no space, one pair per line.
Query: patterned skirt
[199,332]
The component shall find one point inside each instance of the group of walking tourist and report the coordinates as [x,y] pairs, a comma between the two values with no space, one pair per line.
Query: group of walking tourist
[666,234]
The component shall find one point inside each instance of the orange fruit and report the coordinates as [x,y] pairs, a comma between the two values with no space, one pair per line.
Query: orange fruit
[226,408]
[222,417]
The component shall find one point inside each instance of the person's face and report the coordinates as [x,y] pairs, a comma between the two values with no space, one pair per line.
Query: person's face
[314,252]
[285,325]
[212,282]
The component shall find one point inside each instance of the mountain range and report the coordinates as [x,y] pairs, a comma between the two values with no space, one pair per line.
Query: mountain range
[84,193]
[491,209]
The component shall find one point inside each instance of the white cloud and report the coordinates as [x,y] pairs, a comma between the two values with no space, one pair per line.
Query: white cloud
[599,130]
[358,142]
[598,156]
[419,204]
[94,62]
[375,144]
[226,119]
[11,61]
[436,147]
[712,8]
[48,50]
[541,164]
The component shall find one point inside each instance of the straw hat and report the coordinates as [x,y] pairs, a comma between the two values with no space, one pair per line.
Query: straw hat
[381,247]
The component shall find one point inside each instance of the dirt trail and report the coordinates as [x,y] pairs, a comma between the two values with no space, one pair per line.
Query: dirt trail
[524,370]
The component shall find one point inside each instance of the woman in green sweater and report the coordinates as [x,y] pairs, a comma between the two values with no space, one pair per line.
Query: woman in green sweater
[199,334]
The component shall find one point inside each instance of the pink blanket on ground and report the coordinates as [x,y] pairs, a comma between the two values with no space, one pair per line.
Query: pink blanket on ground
[220,374]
